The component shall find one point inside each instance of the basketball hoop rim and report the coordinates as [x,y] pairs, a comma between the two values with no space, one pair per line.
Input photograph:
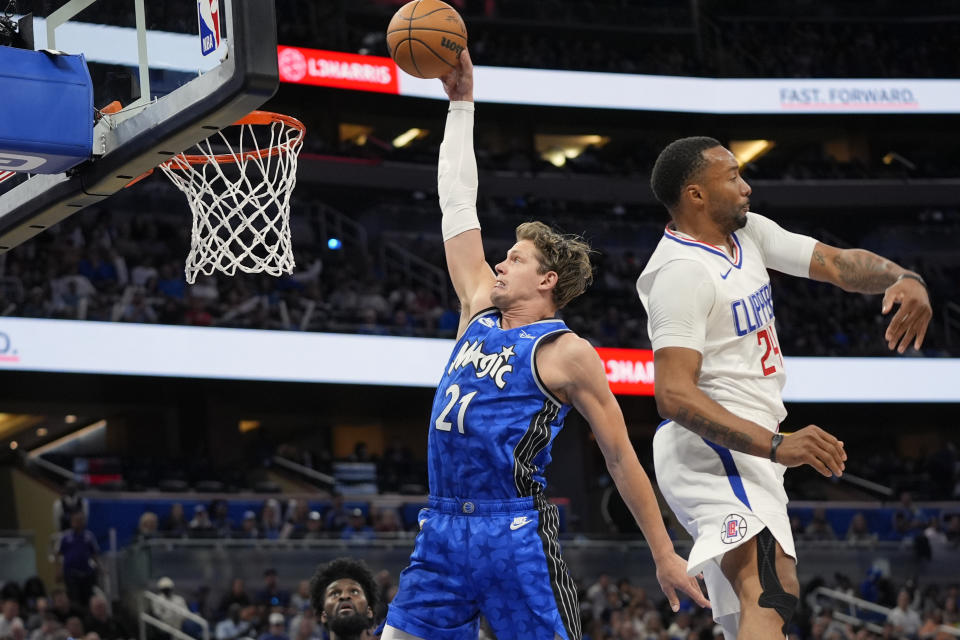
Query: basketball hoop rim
[180,161]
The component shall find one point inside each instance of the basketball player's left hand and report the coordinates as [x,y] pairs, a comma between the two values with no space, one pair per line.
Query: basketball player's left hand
[458,83]
[672,575]
[911,319]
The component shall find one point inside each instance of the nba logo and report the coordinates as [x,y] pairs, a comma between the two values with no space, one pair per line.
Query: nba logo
[208,12]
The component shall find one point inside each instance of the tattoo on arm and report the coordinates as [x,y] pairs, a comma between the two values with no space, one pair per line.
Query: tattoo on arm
[714,431]
[864,272]
[819,258]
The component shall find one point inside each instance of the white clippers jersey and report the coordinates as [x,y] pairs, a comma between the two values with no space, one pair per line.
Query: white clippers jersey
[742,363]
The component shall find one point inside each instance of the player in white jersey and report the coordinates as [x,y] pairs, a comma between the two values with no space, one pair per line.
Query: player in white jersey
[719,455]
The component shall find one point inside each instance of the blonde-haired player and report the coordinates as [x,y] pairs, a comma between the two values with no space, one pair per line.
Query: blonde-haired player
[719,456]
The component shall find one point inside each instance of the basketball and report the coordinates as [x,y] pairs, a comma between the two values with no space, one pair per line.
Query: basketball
[425,38]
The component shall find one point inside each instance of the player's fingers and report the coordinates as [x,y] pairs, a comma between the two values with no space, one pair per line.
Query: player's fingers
[889,299]
[816,460]
[831,455]
[832,459]
[692,589]
[897,324]
[908,336]
[921,334]
[672,598]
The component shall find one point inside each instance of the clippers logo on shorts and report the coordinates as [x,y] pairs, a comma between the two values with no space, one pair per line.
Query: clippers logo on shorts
[208,12]
[734,529]
[493,365]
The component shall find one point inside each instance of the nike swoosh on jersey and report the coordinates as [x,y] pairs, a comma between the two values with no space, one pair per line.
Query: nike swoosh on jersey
[519,522]
[724,275]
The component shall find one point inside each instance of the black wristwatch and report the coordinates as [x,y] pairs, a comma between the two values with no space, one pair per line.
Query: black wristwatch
[777,439]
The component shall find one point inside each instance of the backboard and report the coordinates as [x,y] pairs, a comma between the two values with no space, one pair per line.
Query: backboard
[182,69]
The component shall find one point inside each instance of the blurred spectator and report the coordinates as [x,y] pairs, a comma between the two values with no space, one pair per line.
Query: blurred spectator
[276,630]
[172,606]
[953,530]
[201,526]
[9,616]
[236,596]
[220,518]
[819,527]
[175,525]
[49,629]
[77,552]
[909,518]
[357,529]
[69,502]
[74,627]
[859,532]
[387,520]
[146,529]
[101,622]
[305,627]
[905,620]
[337,517]
[300,600]
[248,526]
[314,530]
[62,607]
[270,520]
[296,525]
[271,595]
[234,626]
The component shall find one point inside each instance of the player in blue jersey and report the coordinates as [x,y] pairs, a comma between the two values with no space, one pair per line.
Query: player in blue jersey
[488,541]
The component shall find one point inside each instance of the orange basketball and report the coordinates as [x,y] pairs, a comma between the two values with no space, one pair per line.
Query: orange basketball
[426,37]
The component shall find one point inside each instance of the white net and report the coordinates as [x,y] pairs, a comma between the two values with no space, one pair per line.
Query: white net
[239,193]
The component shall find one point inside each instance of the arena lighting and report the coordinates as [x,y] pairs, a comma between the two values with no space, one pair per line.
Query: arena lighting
[334,244]
[408,136]
[893,156]
[70,437]
[557,149]
[746,151]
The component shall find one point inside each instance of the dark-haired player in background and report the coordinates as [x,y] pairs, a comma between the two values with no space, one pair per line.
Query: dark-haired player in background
[719,456]
[344,596]
[488,542]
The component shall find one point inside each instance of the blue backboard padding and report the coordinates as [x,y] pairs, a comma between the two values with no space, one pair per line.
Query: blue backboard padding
[46,110]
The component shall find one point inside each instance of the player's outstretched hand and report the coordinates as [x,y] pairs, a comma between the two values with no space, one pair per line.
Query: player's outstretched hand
[911,319]
[672,575]
[458,83]
[815,447]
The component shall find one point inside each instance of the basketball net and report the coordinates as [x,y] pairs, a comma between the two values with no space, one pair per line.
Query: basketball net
[239,191]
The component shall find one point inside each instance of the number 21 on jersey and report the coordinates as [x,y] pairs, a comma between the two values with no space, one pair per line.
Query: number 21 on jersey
[767,336]
[453,392]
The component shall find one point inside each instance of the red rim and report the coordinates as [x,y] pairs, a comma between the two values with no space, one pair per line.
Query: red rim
[255,118]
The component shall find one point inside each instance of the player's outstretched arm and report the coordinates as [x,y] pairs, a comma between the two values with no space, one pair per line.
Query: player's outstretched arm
[472,277]
[861,271]
[677,370]
[573,371]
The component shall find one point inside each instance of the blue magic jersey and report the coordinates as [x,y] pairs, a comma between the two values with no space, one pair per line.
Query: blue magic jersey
[493,422]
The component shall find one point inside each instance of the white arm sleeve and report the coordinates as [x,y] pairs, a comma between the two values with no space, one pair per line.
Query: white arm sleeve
[680,299]
[782,250]
[457,172]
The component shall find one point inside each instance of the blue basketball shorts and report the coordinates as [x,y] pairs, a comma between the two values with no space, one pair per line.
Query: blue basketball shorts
[496,558]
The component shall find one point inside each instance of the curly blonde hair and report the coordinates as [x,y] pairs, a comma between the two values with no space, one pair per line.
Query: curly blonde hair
[567,255]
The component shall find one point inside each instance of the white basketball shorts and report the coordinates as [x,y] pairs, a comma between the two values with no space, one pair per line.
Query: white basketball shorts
[722,498]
